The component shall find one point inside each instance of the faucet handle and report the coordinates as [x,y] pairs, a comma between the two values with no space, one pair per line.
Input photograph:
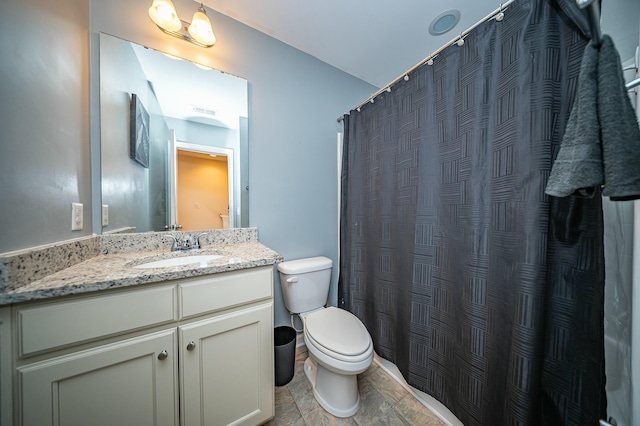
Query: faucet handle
[175,241]
[196,242]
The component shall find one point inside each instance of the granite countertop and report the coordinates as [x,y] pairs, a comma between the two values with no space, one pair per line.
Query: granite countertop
[107,271]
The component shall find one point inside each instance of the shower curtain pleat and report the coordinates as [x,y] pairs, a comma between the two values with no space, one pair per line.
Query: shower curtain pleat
[486,293]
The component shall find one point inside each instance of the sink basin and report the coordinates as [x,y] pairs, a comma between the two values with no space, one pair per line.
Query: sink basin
[202,259]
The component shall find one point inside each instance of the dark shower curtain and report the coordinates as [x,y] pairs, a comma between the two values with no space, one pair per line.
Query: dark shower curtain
[486,293]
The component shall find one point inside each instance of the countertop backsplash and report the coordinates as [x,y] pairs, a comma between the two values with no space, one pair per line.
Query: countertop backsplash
[152,241]
[19,268]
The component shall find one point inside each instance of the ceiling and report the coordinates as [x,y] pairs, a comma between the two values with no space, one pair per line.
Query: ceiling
[200,94]
[373,40]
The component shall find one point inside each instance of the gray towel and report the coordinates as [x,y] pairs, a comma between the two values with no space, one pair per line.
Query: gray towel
[619,128]
[601,144]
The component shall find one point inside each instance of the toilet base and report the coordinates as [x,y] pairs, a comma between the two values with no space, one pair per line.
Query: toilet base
[336,393]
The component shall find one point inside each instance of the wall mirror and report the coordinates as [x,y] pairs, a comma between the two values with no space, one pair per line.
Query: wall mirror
[177,157]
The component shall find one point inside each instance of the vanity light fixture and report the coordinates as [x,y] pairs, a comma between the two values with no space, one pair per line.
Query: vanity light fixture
[198,31]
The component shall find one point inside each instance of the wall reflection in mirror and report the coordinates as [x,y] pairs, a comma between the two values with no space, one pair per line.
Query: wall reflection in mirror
[197,174]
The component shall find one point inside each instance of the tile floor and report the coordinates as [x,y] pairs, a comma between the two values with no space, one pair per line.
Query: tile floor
[383,402]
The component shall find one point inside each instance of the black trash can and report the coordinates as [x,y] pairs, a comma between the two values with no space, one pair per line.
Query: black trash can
[284,339]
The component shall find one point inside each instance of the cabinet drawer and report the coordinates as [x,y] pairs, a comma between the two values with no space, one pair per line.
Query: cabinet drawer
[226,290]
[54,325]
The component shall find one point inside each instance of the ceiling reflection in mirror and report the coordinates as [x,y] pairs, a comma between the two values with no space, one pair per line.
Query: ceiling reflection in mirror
[189,113]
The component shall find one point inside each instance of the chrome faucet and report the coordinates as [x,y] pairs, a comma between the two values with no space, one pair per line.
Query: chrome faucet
[185,243]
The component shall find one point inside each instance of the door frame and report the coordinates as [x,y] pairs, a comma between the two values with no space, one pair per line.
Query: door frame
[172,191]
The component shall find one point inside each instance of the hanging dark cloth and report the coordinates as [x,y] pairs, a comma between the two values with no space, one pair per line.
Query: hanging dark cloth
[601,144]
[486,293]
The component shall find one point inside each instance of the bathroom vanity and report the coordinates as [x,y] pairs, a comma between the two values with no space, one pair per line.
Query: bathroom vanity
[180,345]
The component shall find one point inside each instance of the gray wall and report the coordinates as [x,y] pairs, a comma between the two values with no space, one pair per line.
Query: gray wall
[620,21]
[44,118]
[204,134]
[294,101]
[126,183]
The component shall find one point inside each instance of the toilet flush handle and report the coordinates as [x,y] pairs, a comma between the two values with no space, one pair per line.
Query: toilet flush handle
[292,280]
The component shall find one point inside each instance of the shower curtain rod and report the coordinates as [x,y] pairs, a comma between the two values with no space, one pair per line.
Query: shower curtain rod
[497,14]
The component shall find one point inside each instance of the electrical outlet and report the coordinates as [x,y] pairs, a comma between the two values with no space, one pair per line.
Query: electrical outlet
[76,217]
[105,215]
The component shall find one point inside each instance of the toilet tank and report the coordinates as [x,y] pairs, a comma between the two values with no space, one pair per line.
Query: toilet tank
[305,283]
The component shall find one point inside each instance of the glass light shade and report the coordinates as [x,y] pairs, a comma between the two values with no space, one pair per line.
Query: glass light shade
[200,29]
[163,13]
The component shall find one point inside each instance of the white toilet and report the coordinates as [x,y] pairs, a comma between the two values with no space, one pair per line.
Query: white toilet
[339,345]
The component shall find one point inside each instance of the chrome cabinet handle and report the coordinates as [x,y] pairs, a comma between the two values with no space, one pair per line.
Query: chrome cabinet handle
[191,346]
[163,355]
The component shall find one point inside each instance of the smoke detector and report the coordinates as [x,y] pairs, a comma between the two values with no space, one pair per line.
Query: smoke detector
[203,110]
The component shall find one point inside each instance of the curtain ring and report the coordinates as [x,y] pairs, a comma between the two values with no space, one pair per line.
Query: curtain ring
[500,16]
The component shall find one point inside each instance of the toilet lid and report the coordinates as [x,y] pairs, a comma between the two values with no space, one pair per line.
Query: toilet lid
[339,331]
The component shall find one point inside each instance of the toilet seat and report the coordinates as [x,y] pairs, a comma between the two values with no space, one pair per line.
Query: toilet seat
[338,334]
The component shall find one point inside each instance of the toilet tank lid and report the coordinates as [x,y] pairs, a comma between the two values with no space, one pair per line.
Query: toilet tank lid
[301,266]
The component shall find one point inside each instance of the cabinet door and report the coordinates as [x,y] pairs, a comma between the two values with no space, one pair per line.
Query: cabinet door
[227,368]
[125,383]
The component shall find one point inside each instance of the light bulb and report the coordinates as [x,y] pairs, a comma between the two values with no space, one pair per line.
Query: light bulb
[200,28]
[163,14]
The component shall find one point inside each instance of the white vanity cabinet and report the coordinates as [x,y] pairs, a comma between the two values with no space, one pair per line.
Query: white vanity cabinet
[196,351]
[226,360]
[221,384]
[118,384]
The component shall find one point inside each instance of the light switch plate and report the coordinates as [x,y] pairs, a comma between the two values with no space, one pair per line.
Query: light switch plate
[105,215]
[76,217]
